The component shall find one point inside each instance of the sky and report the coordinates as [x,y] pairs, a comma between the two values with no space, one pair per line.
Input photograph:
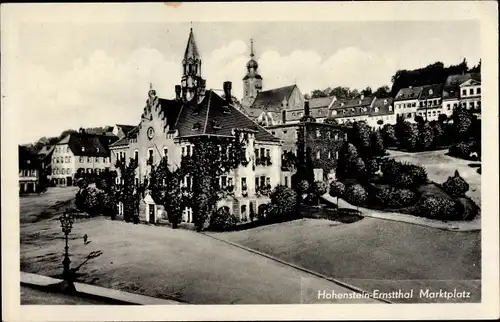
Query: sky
[78,74]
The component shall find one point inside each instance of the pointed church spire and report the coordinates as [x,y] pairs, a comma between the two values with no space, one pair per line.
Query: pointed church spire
[191,48]
[251,48]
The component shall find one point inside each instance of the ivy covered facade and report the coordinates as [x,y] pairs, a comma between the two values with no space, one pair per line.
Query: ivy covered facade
[225,159]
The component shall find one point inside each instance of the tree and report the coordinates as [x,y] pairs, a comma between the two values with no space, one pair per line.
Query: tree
[442,118]
[360,137]
[371,166]
[409,136]
[356,194]
[318,93]
[389,135]
[462,120]
[426,136]
[337,189]
[438,134]
[284,201]
[382,92]
[367,91]
[347,154]
[211,158]
[302,187]
[319,188]
[128,191]
[377,148]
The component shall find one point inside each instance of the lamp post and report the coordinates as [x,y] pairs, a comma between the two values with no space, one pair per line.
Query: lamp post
[66,220]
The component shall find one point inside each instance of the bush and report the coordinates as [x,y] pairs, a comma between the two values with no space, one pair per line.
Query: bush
[319,188]
[337,189]
[426,136]
[468,209]
[371,166]
[283,200]
[455,186]
[87,200]
[222,220]
[302,186]
[417,173]
[403,180]
[355,194]
[462,149]
[395,198]
[261,211]
[437,208]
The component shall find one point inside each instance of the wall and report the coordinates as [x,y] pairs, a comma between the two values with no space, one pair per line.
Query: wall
[63,152]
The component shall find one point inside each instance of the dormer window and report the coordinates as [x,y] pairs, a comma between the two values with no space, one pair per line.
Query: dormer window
[97,149]
[216,125]
[385,101]
[196,126]
[376,109]
[334,112]
[83,149]
[226,110]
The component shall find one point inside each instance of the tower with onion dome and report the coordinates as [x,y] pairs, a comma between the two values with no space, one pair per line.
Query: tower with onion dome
[252,82]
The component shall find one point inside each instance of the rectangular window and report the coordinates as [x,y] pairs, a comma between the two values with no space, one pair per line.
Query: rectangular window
[256,151]
[337,155]
[223,180]
[318,155]
[262,181]
[471,104]
[89,159]
[256,182]
[268,181]
[478,90]
[471,91]
[329,154]
[464,92]
[97,159]
[183,151]
[268,153]
[243,184]
[421,104]
[136,155]
[262,152]
[286,181]
[229,181]
[188,150]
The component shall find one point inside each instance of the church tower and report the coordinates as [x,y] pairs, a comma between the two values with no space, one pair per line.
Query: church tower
[191,69]
[252,82]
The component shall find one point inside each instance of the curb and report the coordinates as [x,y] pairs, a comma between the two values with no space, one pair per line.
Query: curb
[50,284]
[404,218]
[333,280]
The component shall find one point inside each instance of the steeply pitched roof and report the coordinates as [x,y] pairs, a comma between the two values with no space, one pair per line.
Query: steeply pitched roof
[383,105]
[272,99]
[355,102]
[83,144]
[46,149]
[125,128]
[451,86]
[213,116]
[191,52]
[321,102]
[431,91]
[27,159]
[408,93]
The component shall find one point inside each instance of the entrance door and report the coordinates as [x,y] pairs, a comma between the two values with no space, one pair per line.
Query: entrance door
[152,214]
[69,181]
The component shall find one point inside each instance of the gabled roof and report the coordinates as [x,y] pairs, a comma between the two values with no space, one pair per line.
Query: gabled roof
[383,105]
[212,116]
[83,144]
[125,128]
[191,52]
[470,82]
[408,93]
[27,159]
[431,91]
[272,99]
[355,102]
[321,102]
[46,149]
[452,84]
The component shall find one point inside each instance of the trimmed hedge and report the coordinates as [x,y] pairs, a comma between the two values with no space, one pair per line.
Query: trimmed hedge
[394,198]
[222,220]
[355,194]
[438,208]
[456,186]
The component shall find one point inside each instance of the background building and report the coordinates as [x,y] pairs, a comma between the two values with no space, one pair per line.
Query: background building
[29,171]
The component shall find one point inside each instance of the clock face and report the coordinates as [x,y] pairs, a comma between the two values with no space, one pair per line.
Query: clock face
[151,133]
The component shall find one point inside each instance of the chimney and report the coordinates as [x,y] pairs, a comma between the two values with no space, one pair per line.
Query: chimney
[178,90]
[227,91]
[306,108]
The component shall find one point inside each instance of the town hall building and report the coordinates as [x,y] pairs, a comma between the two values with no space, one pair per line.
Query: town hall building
[167,125]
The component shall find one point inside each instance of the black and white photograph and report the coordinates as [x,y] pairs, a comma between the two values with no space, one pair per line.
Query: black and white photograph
[189,156]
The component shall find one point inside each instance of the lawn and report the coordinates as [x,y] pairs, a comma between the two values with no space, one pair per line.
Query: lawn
[373,253]
[440,166]
[165,263]
[37,207]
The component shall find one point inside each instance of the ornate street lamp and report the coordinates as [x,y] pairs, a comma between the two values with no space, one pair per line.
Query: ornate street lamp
[66,220]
